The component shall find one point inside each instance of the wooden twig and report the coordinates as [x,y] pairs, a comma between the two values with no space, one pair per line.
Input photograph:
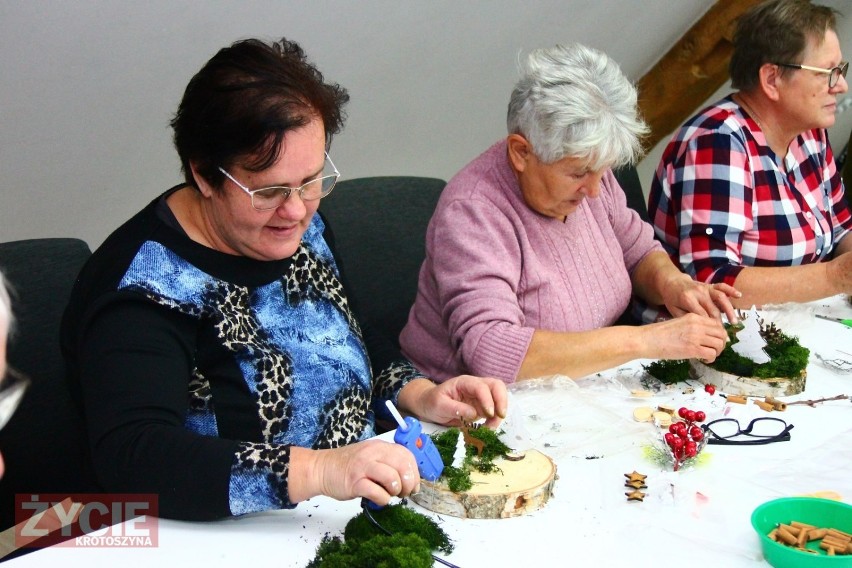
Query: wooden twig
[814,402]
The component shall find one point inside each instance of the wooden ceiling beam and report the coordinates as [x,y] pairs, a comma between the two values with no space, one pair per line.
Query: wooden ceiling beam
[692,70]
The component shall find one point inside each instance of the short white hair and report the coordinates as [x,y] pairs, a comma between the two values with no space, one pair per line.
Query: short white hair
[5,307]
[575,101]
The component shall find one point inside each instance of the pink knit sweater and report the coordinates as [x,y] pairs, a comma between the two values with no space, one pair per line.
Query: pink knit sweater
[495,271]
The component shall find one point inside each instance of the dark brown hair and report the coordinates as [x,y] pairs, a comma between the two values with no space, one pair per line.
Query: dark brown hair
[775,32]
[240,105]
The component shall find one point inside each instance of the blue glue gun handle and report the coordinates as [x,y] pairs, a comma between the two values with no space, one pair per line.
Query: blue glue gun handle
[370,505]
[429,462]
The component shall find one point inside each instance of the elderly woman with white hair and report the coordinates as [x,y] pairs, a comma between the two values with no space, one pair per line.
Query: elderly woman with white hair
[5,324]
[532,253]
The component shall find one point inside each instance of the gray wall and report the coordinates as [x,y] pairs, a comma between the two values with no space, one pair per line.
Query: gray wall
[88,87]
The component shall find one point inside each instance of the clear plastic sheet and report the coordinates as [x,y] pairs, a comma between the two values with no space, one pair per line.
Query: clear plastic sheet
[559,418]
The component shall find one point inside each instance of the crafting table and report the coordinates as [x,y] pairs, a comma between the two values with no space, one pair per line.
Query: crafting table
[696,517]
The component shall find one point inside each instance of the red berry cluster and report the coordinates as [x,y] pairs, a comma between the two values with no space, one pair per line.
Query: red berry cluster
[710,389]
[684,438]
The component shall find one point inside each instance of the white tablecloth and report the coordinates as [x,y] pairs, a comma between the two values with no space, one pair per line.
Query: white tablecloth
[696,517]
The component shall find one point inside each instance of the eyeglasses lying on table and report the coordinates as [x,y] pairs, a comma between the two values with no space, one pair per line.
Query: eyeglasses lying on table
[763,430]
[12,389]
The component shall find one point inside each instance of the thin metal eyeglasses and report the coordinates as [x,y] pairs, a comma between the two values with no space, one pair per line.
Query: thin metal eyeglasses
[12,390]
[763,430]
[274,196]
[834,73]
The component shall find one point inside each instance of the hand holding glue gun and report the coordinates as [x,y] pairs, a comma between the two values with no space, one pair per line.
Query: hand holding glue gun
[410,435]
[379,470]
[429,463]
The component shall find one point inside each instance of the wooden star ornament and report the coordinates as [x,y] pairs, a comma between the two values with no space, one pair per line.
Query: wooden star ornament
[635,476]
[635,495]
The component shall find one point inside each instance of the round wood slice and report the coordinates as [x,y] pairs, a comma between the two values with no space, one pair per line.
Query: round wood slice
[519,487]
[747,386]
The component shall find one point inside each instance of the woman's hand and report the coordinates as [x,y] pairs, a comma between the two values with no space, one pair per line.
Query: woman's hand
[683,295]
[464,397]
[379,470]
[374,469]
[840,270]
[688,337]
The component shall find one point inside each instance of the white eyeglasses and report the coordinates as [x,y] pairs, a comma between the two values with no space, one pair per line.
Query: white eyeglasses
[274,196]
[834,73]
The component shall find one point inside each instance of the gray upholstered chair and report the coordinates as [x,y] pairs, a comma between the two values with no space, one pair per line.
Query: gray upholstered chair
[628,179]
[43,444]
[379,225]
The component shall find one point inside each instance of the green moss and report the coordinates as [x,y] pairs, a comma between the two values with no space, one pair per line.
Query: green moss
[669,371]
[380,551]
[494,447]
[415,538]
[458,479]
[399,519]
[787,359]
[446,443]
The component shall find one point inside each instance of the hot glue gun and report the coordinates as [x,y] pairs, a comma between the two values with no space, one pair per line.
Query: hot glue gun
[410,434]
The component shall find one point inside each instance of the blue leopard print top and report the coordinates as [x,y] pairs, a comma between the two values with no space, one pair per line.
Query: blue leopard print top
[287,346]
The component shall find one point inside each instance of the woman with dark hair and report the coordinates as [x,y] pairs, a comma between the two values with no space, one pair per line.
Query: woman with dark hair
[747,192]
[210,339]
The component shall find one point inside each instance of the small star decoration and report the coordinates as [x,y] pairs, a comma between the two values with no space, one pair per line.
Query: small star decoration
[635,480]
[635,495]
[635,476]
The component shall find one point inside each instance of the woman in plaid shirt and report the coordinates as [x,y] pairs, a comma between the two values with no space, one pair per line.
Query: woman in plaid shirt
[747,192]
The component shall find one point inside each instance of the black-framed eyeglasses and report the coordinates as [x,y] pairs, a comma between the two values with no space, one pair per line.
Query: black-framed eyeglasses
[12,389]
[273,196]
[834,73]
[763,430]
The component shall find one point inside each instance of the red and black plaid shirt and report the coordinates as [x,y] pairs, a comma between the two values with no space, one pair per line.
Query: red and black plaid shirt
[722,200]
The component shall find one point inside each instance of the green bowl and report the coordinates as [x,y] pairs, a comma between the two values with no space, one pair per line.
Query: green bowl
[823,513]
